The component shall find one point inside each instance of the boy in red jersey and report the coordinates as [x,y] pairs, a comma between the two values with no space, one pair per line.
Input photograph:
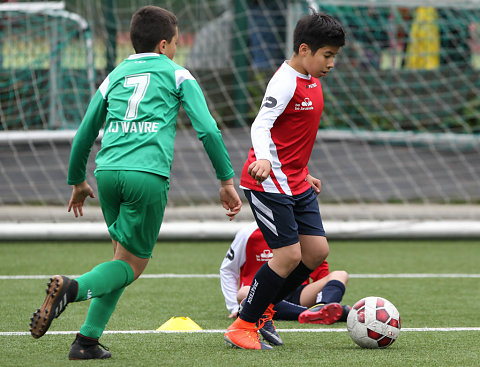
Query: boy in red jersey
[276,180]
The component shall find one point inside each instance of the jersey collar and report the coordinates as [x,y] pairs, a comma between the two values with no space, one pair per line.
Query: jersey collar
[144,54]
[300,75]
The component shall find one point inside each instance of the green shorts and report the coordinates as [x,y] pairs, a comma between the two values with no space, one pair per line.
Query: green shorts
[133,204]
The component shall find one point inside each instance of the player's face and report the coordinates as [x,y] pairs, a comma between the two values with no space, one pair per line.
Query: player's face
[321,62]
[169,48]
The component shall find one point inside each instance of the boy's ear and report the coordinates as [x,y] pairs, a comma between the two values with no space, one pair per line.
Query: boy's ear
[303,49]
[161,46]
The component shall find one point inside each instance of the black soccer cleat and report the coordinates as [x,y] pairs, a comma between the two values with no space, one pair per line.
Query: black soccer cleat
[58,290]
[345,310]
[87,348]
[267,328]
[269,333]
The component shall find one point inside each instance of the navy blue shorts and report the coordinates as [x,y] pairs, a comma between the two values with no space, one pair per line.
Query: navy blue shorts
[281,218]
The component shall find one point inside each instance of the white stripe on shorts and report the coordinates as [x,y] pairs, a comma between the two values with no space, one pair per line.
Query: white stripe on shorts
[267,223]
[261,206]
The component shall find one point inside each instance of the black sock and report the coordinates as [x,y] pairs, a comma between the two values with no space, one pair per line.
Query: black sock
[332,292]
[296,277]
[285,310]
[263,289]
[72,291]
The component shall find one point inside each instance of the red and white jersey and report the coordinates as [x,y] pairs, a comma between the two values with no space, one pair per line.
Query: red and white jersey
[284,131]
[247,253]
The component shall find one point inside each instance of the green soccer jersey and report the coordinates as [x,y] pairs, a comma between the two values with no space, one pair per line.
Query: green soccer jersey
[139,102]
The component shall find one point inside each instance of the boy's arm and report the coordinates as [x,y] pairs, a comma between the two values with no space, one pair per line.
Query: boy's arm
[230,269]
[316,183]
[207,131]
[81,147]
[196,108]
[84,138]
[229,198]
[276,99]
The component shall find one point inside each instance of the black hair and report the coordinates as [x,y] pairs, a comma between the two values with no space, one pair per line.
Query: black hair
[149,26]
[318,30]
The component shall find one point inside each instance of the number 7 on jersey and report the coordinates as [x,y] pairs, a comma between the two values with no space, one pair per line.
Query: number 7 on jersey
[140,82]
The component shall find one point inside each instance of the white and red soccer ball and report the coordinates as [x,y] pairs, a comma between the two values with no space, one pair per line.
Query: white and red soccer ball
[373,322]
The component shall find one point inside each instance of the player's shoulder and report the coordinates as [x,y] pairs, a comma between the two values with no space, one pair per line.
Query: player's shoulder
[282,74]
[244,234]
[147,62]
[179,72]
[286,74]
[247,230]
[284,82]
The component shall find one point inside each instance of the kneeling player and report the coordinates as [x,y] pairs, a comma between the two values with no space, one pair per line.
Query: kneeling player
[315,301]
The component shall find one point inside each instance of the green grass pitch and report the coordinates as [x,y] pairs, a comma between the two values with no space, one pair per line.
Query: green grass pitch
[427,302]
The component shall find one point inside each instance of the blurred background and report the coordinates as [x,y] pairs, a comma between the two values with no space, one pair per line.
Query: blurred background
[399,139]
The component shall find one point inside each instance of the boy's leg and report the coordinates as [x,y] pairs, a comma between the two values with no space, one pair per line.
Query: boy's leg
[243,333]
[133,204]
[314,246]
[313,243]
[274,216]
[327,309]
[99,313]
[289,308]
[294,279]
[86,344]
[285,310]
[269,280]
[103,279]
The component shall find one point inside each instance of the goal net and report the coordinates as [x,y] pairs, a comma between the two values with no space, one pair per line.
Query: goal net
[399,136]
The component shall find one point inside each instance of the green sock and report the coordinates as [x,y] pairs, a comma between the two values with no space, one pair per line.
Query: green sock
[104,279]
[99,313]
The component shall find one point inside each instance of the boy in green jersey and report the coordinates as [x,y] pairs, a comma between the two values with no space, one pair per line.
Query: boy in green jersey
[138,102]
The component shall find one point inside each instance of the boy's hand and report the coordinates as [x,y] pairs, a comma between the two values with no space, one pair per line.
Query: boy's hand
[260,170]
[79,194]
[230,199]
[315,183]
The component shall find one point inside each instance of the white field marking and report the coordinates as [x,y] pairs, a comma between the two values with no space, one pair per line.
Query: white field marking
[173,276]
[217,331]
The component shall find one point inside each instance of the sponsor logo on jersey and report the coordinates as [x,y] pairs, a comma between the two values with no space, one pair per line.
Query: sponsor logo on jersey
[269,102]
[265,255]
[133,127]
[306,104]
[313,85]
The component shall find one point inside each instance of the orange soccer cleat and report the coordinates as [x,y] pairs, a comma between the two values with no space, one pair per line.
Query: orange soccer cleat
[244,335]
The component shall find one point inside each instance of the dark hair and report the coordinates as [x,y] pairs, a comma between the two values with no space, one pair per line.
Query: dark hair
[318,30]
[149,26]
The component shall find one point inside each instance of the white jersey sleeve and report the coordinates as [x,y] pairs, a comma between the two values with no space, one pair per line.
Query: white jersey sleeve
[280,91]
[231,265]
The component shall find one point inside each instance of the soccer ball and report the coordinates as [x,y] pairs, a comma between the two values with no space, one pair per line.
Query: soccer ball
[373,322]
